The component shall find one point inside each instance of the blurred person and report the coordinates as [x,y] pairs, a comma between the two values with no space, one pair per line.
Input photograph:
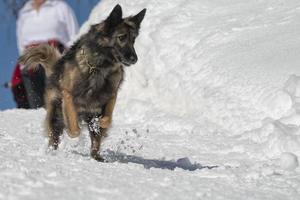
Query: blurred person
[40,21]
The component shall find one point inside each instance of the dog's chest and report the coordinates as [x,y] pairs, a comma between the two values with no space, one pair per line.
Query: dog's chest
[91,94]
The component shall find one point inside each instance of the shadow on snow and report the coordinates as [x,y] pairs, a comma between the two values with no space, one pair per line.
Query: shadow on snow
[182,163]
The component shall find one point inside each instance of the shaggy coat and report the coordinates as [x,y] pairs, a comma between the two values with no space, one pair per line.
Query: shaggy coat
[83,83]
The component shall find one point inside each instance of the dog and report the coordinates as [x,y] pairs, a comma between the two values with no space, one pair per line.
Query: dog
[82,84]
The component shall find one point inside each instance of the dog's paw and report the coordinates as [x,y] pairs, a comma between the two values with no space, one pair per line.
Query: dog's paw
[97,157]
[51,150]
[73,133]
[105,122]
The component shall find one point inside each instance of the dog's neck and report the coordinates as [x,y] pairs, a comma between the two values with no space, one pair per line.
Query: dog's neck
[93,61]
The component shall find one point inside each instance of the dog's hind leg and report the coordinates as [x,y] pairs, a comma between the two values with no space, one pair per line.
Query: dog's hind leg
[54,122]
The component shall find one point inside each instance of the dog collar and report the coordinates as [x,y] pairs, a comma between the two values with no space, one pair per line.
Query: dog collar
[92,69]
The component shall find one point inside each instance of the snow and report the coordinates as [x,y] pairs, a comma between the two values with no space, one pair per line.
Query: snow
[217,84]
[288,161]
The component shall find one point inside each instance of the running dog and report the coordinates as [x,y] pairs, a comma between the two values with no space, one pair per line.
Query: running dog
[83,83]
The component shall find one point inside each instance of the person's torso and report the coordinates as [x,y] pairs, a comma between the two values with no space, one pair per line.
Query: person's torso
[43,25]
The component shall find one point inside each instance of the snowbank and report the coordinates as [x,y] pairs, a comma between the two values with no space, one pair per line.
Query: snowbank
[216,64]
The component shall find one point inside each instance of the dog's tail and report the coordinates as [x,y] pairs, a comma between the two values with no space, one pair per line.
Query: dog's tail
[44,55]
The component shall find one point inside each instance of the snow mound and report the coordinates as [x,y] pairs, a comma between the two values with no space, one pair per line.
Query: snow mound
[288,161]
[216,65]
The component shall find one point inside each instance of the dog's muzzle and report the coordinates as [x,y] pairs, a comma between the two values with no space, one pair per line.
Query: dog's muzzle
[126,61]
[132,60]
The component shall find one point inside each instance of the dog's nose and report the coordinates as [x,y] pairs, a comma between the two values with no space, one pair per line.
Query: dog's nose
[133,59]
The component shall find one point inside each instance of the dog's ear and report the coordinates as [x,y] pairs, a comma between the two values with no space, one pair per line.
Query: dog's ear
[137,19]
[114,18]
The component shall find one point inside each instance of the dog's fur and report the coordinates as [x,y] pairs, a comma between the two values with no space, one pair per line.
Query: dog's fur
[83,83]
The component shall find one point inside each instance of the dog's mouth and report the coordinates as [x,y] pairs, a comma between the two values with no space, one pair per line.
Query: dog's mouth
[127,62]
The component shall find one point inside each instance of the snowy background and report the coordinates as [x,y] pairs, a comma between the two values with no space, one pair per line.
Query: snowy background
[216,82]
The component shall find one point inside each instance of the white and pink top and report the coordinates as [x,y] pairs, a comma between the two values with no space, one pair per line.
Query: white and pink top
[55,20]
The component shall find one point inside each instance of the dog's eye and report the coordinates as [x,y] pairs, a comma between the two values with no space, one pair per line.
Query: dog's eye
[122,38]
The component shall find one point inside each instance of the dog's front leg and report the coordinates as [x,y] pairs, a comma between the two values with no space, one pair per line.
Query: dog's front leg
[98,130]
[105,121]
[97,134]
[70,115]
[96,137]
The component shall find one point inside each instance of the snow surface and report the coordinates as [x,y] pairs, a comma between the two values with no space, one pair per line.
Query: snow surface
[217,84]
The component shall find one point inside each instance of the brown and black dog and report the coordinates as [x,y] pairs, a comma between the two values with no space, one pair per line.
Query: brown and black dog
[83,83]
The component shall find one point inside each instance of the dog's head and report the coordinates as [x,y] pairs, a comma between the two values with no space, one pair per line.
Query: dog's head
[119,34]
